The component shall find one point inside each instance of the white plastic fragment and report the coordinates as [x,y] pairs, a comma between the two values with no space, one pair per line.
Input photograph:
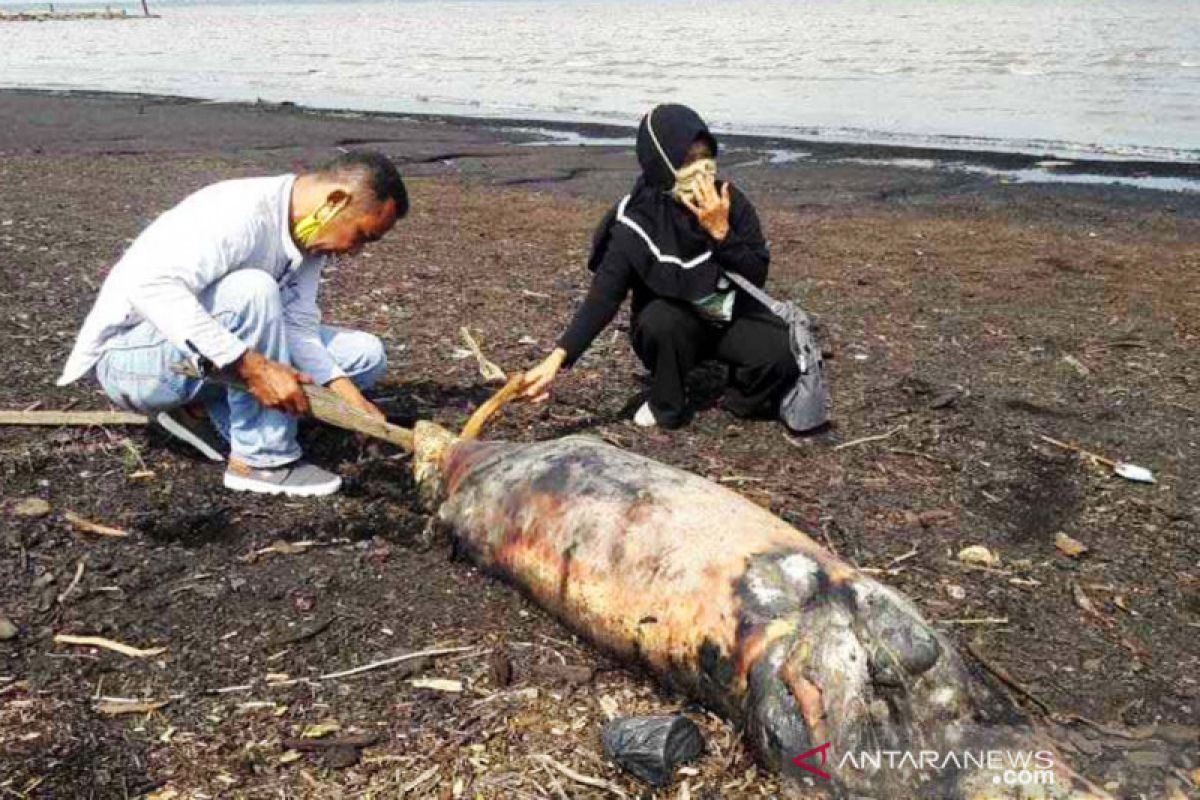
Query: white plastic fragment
[1132,472]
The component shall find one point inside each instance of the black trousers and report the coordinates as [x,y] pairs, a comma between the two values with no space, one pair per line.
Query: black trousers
[670,339]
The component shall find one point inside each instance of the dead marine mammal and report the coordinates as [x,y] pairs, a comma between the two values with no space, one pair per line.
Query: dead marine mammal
[728,603]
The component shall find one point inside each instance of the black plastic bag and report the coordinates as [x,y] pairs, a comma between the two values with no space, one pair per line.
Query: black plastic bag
[651,747]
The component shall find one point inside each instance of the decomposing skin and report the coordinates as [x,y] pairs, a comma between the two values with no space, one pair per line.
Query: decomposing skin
[726,602]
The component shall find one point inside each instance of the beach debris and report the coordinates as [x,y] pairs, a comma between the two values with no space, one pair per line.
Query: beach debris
[320,729]
[501,668]
[87,526]
[108,644]
[979,555]
[31,507]
[579,777]
[1068,546]
[1083,601]
[114,707]
[324,741]
[575,675]
[282,548]
[1077,365]
[650,747]
[8,629]
[936,517]
[416,782]
[610,707]
[956,592]
[437,684]
[947,398]
[1130,472]
[387,662]
[487,369]
[79,568]
[794,646]
[866,439]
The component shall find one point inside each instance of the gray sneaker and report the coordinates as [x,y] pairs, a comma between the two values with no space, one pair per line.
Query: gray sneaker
[297,479]
[195,430]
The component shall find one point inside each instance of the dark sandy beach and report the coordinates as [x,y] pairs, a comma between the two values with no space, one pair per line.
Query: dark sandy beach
[967,315]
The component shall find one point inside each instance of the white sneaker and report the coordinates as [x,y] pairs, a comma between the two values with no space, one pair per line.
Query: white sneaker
[644,418]
[298,479]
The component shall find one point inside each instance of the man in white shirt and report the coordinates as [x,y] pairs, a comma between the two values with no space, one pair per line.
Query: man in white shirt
[228,279]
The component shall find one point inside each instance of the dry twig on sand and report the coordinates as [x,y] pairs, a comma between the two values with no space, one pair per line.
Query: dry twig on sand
[79,567]
[114,708]
[864,440]
[87,526]
[387,662]
[586,780]
[488,369]
[108,644]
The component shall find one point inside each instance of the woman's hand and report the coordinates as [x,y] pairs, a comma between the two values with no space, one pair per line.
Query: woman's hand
[539,379]
[711,208]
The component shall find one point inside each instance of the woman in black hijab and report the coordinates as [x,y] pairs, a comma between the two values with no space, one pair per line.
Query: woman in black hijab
[670,241]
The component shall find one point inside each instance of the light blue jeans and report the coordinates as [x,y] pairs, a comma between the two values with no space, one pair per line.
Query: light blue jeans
[135,369]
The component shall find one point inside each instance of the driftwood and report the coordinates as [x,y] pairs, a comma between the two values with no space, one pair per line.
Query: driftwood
[58,418]
[109,644]
[87,526]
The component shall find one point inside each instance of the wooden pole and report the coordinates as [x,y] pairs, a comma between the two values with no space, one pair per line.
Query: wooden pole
[328,407]
[145,9]
[70,418]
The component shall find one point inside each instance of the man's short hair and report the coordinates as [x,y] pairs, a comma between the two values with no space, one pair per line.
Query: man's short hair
[376,171]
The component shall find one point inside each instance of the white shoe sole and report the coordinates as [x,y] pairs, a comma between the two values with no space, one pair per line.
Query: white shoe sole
[168,423]
[239,483]
[644,418]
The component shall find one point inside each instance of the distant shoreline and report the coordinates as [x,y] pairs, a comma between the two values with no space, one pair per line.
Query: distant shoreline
[583,133]
[51,15]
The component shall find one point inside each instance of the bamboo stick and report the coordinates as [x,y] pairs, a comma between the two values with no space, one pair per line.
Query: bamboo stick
[71,418]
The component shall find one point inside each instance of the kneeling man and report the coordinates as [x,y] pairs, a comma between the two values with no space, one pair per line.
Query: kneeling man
[228,279]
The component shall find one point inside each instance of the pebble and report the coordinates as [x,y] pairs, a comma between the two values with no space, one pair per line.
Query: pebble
[31,507]
[980,555]
[7,629]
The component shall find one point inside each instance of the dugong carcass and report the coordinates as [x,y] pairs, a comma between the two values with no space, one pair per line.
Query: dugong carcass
[733,606]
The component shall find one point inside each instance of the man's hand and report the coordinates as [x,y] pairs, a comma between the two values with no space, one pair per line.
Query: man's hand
[539,379]
[344,388]
[711,208]
[273,384]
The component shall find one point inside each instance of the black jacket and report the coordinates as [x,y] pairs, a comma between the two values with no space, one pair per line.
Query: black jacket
[651,244]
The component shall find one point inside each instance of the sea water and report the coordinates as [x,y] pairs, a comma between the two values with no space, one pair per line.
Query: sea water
[1076,78]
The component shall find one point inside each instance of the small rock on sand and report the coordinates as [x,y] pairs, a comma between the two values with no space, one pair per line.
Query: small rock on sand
[31,507]
[7,629]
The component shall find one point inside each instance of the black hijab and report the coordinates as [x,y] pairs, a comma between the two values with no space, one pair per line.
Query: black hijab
[664,242]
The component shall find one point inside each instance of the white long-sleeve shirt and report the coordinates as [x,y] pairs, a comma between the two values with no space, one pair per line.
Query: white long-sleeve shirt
[232,225]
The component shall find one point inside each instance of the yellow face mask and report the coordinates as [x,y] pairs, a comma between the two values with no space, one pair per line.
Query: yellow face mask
[306,229]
